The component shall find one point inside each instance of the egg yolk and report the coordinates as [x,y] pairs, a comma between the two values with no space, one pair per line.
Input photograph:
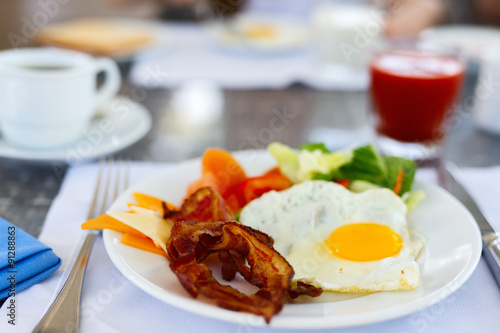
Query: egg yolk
[364,242]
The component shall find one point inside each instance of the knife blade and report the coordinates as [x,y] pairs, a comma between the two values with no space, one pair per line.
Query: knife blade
[491,242]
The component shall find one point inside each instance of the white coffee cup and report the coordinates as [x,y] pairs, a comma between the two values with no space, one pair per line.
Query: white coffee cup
[49,95]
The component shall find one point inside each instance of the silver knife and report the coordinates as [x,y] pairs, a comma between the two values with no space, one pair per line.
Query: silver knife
[491,241]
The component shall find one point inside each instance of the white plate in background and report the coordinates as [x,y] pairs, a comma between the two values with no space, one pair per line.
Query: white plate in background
[236,34]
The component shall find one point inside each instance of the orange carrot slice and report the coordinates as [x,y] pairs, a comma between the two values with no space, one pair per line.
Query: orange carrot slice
[273,171]
[153,203]
[207,179]
[139,241]
[219,170]
[106,222]
[220,161]
[399,181]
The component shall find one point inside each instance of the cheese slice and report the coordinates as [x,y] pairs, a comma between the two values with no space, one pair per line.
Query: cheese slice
[153,227]
[145,211]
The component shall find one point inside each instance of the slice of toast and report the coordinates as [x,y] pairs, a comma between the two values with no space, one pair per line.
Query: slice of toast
[97,36]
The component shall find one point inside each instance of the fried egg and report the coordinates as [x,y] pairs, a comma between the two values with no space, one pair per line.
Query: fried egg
[339,240]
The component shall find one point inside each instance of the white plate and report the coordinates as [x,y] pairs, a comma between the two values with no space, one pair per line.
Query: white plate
[122,123]
[450,256]
[230,35]
[472,40]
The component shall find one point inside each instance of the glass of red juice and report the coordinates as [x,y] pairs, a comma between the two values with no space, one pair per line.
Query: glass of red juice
[414,90]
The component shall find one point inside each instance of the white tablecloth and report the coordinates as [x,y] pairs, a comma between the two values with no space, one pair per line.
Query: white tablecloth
[110,303]
[189,54]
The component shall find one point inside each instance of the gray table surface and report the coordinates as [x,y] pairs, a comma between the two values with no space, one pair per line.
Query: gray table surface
[28,188]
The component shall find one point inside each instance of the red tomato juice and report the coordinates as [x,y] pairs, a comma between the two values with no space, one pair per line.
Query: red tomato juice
[412,93]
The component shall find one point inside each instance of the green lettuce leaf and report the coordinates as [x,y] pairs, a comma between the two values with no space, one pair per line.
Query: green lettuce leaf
[358,186]
[366,165]
[369,166]
[312,146]
[394,164]
[318,165]
[413,198]
[288,159]
[307,164]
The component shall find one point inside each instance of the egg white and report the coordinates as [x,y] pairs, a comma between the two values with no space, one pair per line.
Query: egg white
[301,218]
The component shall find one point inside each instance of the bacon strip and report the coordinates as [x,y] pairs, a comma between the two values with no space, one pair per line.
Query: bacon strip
[203,226]
[268,269]
[303,288]
[204,205]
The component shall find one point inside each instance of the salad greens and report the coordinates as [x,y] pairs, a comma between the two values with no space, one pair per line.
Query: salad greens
[364,167]
[288,160]
[412,198]
[368,165]
[306,164]
[315,146]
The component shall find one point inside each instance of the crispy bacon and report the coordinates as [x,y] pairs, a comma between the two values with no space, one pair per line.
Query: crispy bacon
[204,205]
[167,212]
[204,225]
[207,204]
[267,268]
[303,288]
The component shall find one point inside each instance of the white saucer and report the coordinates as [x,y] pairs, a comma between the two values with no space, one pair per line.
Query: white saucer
[122,123]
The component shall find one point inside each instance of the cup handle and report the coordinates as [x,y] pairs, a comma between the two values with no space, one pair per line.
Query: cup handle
[112,81]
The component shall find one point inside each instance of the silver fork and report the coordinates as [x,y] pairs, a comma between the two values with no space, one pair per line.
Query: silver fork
[63,314]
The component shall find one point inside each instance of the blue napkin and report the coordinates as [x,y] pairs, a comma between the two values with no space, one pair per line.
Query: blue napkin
[24,260]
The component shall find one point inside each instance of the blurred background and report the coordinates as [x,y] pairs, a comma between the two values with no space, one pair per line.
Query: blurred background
[215,72]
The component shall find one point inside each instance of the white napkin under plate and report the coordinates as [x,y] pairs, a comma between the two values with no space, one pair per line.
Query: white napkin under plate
[110,303]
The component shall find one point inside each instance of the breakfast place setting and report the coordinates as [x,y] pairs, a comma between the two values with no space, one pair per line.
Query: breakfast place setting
[249,166]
